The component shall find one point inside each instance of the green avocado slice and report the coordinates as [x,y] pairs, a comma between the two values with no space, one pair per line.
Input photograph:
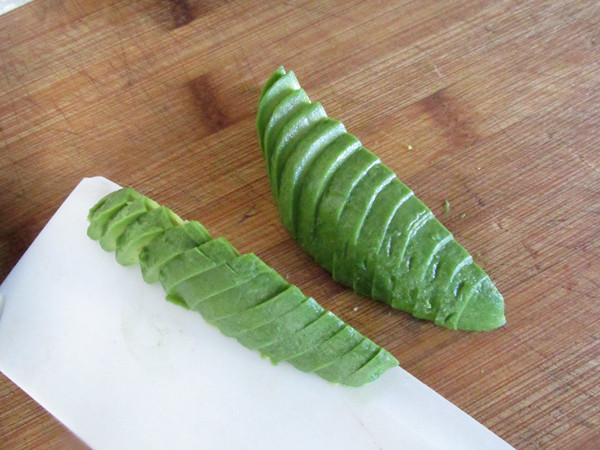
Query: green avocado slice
[168,245]
[352,361]
[293,131]
[318,176]
[329,210]
[198,288]
[408,219]
[286,325]
[439,286]
[287,110]
[220,250]
[462,285]
[261,314]
[195,261]
[106,209]
[265,285]
[280,89]
[371,235]
[372,370]
[417,292]
[119,222]
[304,340]
[280,72]
[351,221]
[293,174]
[189,263]
[483,310]
[139,233]
[329,351]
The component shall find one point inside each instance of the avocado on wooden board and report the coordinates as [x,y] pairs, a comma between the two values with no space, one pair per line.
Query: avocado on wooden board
[360,222]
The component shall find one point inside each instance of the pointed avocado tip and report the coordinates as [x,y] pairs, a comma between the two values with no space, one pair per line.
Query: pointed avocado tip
[272,79]
[485,310]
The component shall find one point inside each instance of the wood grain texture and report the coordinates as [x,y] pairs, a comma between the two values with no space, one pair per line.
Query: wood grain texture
[490,105]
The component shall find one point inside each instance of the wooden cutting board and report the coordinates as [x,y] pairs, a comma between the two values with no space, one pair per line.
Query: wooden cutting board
[492,106]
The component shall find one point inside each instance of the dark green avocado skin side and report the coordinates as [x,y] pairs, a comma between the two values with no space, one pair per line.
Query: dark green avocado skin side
[361,223]
[237,293]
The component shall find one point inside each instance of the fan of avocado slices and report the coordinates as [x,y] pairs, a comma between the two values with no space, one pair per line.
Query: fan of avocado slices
[352,214]
[239,294]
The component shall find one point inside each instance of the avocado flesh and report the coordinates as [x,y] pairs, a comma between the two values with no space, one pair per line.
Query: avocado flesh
[141,232]
[265,285]
[279,73]
[351,221]
[371,235]
[220,278]
[384,266]
[284,326]
[329,351]
[329,210]
[194,261]
[187,264]
[419,286]
[288,109]
[373,369]
[453,301]
[293,131]
[304,340]
[239,294]
[119,222]
[408,218]
[484,308]
[318,176]
[262,313]
[220,250]
[168,245]
[350,362]
[106,209]
[295,168]
[280,89]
